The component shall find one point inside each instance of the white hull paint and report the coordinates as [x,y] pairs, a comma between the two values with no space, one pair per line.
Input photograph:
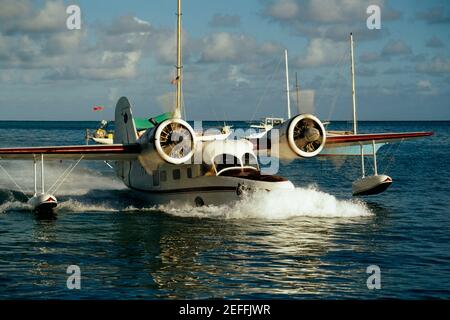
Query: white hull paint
[43,202]
[371,185]
[200,189]
[192,198]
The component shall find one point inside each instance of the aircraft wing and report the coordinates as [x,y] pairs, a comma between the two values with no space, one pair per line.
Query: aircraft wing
[93,152]
[366,139]
[341,145]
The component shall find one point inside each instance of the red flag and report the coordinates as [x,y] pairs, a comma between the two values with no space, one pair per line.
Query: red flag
[98,108]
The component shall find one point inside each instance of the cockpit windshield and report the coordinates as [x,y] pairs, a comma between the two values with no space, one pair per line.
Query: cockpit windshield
[224,162]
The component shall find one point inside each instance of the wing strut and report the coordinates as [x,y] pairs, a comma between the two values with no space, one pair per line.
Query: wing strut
[13,180]
[44,201]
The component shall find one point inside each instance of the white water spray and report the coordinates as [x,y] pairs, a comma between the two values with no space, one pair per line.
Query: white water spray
[278,204]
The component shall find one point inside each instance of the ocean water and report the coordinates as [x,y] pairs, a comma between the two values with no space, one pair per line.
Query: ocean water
[314,242]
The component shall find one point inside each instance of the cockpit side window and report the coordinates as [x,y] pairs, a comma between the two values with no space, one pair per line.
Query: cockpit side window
[249,160]
[224,161]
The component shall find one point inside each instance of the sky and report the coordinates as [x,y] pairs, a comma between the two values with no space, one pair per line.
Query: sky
[232,59]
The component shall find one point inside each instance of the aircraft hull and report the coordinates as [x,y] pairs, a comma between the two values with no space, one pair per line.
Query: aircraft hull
[203,190]
[43,203]
[371,185]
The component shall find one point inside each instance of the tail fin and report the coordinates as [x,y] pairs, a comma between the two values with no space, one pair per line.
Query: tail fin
[125,129]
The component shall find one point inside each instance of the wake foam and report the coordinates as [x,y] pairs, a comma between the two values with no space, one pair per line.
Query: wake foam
[75,206]
[278,204]
[12,200]
[14,206]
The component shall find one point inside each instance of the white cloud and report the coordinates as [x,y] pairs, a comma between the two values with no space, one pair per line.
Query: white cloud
[322,52]
[306,101]
[396,48]
[333,19]
[438,65]
[64,42]
[236,48]
[369,57]
[424,87]
[113,65]
[39,40]
[235,76]
[225,21]
[222,46]
[13,8]
[434,42]
[127,24]
[424,84]
[435,15]
[324,11]
[21,17]
[284,9]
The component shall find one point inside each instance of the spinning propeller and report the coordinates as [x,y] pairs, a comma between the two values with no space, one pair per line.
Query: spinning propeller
[176,140]
[308,135]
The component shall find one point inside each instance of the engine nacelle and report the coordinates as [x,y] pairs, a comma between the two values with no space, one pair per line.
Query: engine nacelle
[172,141]
[301,136]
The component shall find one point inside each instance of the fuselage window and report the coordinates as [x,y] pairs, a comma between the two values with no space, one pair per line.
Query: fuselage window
[163,176]
[176,174]
[155,175]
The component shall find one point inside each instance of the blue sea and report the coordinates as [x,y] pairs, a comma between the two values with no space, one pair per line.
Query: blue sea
[315,242]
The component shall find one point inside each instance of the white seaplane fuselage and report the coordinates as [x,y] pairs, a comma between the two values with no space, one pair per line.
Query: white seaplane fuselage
[215,181]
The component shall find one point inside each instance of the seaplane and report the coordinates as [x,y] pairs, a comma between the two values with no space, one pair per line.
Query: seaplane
[168,163]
